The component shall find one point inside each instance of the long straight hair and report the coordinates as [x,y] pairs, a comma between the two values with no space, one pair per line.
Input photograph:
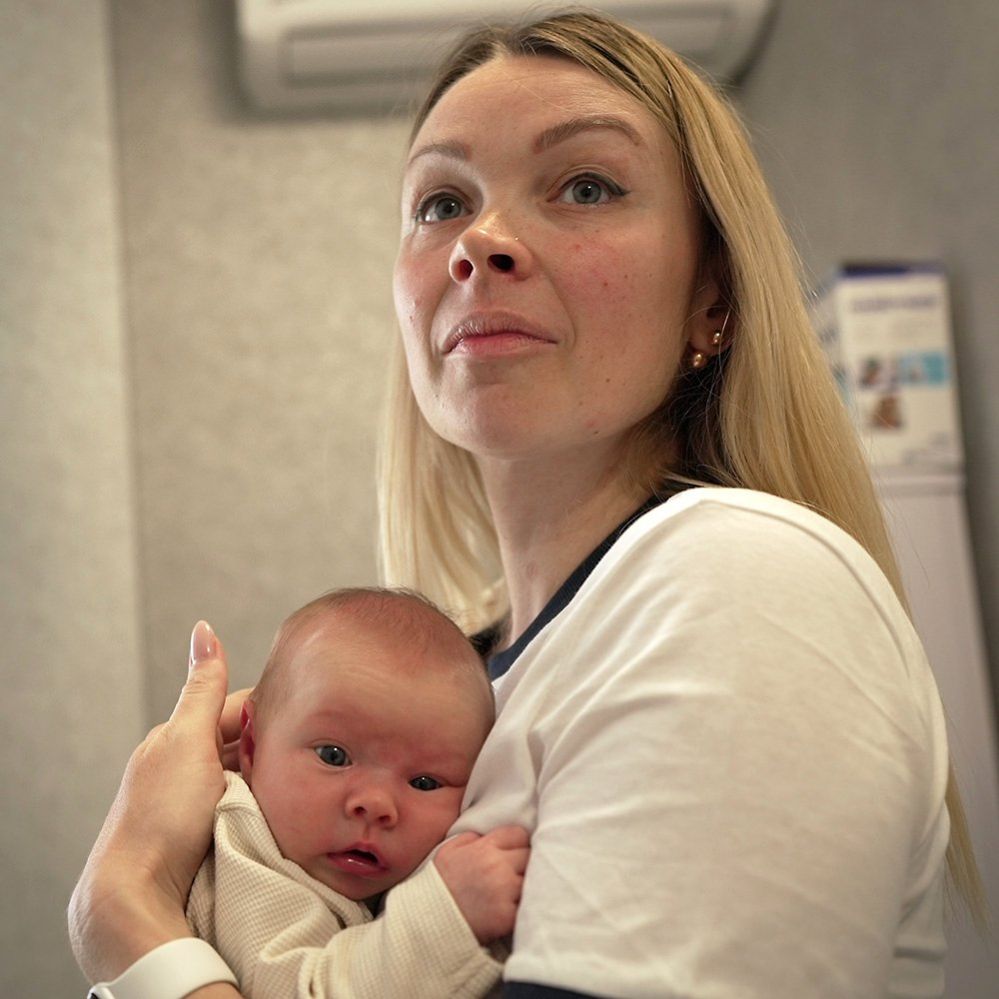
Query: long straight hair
[764,414]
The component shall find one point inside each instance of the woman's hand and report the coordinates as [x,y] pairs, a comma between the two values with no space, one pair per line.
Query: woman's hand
[231,727]
[133,890]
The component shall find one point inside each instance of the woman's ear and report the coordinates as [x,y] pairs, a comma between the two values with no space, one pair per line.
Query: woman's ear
[709,328]
[247,739]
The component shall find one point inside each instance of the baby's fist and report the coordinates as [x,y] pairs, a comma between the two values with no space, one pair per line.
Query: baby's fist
[485,875]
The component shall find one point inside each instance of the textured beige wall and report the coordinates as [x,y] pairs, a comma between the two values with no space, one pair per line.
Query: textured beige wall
[71,707]
[258,260]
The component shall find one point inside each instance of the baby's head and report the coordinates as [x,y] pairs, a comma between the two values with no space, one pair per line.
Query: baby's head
[360,737]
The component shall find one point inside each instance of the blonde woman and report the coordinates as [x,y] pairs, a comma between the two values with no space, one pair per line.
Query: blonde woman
[614,450]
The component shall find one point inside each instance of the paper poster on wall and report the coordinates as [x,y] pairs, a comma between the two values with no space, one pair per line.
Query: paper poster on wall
[886,331]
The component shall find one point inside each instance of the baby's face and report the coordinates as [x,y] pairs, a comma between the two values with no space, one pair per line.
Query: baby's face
[361,769]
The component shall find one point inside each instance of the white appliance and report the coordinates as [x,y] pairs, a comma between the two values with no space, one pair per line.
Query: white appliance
[886,330]
[299,55]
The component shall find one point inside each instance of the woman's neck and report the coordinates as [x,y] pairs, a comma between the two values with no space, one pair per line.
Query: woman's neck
[549,515]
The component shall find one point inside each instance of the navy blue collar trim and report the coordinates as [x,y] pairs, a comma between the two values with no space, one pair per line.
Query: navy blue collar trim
[498,664]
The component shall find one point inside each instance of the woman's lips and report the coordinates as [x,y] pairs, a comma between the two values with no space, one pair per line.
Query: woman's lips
[496,344]
[494,334]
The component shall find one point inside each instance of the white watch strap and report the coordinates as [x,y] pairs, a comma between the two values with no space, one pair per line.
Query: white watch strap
[171,971]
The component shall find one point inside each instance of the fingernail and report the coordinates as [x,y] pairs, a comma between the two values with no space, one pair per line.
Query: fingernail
[203,643]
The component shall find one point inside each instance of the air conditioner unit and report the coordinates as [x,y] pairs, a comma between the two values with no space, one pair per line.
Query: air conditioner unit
[310,55]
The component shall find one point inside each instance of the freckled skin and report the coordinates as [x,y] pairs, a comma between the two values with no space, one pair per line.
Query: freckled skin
[610,283]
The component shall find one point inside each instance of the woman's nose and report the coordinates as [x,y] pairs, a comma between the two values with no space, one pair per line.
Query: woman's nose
[489,248]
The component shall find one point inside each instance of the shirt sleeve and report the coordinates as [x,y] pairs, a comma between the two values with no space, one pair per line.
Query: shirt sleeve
[732,772]
[420,947]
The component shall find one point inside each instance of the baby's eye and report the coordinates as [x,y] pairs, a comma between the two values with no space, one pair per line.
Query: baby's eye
[440,208]
[424,783]
[589,191]
[333,756]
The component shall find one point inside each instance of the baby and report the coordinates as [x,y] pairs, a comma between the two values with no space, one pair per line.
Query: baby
[355,751]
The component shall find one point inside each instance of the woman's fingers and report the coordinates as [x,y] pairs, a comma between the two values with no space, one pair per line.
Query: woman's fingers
[230,723]
[198,703]
[229,755]
[203,695]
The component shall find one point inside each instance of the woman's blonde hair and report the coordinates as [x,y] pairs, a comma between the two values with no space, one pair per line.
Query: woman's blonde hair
[765,414]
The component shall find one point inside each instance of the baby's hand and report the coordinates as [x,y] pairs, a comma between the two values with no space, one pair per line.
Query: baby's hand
[485,875]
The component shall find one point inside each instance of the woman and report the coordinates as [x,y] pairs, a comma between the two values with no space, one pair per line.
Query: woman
[713,712]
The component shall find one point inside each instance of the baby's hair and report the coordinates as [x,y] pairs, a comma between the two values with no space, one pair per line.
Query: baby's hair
[417,622]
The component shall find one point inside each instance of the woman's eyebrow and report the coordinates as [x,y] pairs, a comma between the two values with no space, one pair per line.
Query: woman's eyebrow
[454,150]
[567,129]
[549,137]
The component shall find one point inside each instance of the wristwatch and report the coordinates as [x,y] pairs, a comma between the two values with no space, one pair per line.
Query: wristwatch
[170,971]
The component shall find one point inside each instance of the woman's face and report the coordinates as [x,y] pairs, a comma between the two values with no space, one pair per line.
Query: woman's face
[545,279]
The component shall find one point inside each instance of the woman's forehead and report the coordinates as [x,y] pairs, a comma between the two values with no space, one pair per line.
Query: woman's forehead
[525,93]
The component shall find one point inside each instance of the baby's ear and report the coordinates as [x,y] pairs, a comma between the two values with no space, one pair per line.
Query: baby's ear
[247,739]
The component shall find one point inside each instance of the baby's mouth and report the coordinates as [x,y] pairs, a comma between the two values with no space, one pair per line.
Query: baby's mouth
[364,856]
[358,860]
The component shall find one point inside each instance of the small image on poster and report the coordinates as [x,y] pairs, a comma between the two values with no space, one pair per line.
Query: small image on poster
[876,372]
[878,383]
[887,413]
[928,367]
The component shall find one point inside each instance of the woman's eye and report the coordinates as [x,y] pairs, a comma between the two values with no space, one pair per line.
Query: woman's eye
[589,191]
[333,756]
[425,783]
[440,208]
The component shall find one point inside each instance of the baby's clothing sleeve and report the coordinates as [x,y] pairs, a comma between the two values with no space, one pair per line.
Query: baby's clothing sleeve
[284,934]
